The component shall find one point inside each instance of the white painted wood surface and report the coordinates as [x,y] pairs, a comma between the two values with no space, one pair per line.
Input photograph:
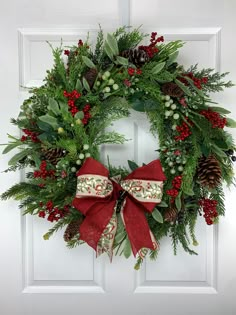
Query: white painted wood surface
[73,281]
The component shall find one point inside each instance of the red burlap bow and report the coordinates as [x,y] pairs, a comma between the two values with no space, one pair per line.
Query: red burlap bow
[98,197]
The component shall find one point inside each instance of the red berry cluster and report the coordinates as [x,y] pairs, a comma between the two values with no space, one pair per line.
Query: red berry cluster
[196,81]
[87,114]
[216,120]
[176,184]
[184,131]
[30,135]
[209,209]
[54,213]
[151,49]
[132,71]
[72,97]
[66,52]
[43,172]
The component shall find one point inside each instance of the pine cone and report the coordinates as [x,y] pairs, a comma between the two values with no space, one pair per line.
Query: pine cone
[53,155]
[172,89]
[171,214]
[209,171]
[90,76]
[72,229]
[137,56]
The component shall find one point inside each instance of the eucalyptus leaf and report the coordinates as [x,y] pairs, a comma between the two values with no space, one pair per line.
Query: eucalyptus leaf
[218,151]
[52,121]
[79,115]
[17,157]
[120,236]
[112,42]
[220,110]
[178,202]
[172,58]
[127,248]
[231,123]
[162,204]
[88,62]
[183,87]
[190,81]
[86,85]
[158,68]
[53,106]
[122,61]
[157,215]
[11,146]
[132,165]
[108,51]
[78,85]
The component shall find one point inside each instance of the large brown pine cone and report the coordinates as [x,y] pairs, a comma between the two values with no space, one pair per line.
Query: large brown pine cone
[209,171]
[136,56]
[171,214]
[53,155]
[72,229]
[172,89]
[91,76]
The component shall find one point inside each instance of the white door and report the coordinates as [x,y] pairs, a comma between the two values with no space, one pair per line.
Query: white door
[44,278]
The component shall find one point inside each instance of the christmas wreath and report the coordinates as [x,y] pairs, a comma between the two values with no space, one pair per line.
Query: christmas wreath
[121,209]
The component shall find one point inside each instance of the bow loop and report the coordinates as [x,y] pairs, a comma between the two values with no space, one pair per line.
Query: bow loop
[99,198]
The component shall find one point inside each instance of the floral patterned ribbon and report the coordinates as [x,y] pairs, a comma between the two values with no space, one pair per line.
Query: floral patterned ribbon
[99,197]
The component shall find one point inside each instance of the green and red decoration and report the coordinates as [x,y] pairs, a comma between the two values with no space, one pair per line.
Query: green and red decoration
[120,210]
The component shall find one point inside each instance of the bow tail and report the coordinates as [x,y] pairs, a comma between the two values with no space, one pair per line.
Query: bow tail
[105,243]
[139,233]
[96,222]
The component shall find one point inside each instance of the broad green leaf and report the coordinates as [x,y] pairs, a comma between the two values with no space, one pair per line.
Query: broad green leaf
[64,108]
[162,204]
[44,126]
[78,85]
[17,157]
[88,62]
[221,144]
[112,42]
[127,248]
[52,121]
[218,151]
[231,123]
[150,105]
[220,110]
[108,51]
[132,165]
[198,91]
[53,106]
[178,202]
[183,87]
[11,146]
[172,58]
[36,159]
[122,61]
[43,136]
[158,68]
[205,149]
[157,216]
[86,85]
[120,236]
[79,115]
[138,105]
